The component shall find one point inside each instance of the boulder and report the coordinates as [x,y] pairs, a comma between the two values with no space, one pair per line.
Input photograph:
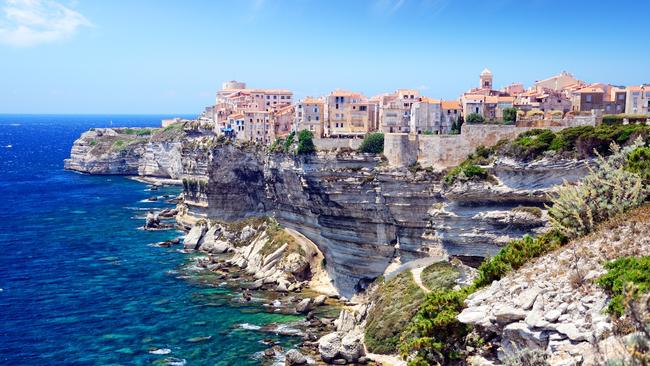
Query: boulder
[320,300]
[152,220]
[352,347]
[293,357]
[304,305]
[246,233]
[329,346]
[194,236]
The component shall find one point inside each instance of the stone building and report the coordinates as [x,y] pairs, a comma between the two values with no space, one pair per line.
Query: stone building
[310,115]
[425,116]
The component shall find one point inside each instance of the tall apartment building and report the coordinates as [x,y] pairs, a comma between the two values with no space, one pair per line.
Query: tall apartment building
[348,114]
[426,116]
[395,110]
[310,115]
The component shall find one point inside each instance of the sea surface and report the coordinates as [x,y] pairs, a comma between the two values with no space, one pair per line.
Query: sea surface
[79,282]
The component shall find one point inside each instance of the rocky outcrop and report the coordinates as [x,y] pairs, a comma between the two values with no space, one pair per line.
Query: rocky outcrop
[106,151]
[345,345]
[553,303]
[362,214]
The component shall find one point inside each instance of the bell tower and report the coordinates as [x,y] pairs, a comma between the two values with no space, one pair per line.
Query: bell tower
[486,79]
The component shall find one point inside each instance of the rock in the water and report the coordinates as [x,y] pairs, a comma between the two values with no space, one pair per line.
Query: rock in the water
[320,300]
[294,357]
[304,305]
[152,221]
[352,347]
[194,236]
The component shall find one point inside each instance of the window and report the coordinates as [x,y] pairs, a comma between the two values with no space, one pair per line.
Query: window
[315,109]
[275,97]
[317,118]
[588,98]
[363,108]
[621,97]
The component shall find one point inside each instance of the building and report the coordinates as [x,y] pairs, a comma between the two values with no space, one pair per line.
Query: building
[588,98]
[557,82]
[426,117]
[486,79]
[615,100]
[473,103]
[347,114]
[282,119]
[638,100]
[395,110]
[310,115]
[451,112]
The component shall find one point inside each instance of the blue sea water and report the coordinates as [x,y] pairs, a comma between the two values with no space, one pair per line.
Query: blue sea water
[79,283]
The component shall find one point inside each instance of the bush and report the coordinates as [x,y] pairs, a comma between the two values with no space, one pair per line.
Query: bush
[531,144]
[515,254]
[606,191]
[466,171]
[535,211]
[394,304]
[474,118]
[306,143]
[288,143]
[373,143]
[440,276]
[626,277]
[618,118]
[277,145]
[638,161]
[510,115]
[434,334]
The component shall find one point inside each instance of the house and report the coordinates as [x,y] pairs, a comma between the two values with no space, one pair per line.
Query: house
[310,115]
[451,112]
[615,100]
[340,106]
[395,110]
[557,82]
[588,98]
[638,99]
[425,116]
[473,103]
[282,119]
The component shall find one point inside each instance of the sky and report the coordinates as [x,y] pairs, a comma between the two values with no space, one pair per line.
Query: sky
[170,56]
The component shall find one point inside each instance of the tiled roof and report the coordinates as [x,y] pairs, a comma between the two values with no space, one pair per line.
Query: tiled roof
[450,104]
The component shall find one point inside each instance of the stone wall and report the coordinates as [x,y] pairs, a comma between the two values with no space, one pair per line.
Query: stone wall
[333,144]
[443,151]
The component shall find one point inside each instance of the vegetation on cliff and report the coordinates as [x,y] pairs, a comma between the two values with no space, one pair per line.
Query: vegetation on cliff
[435,336]
[306,143]
[373,143]
[627,278]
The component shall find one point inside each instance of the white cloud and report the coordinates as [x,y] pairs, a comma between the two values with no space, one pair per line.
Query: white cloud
[27,23]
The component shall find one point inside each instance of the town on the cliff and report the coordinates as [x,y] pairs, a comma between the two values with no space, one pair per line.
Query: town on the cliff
[264,115]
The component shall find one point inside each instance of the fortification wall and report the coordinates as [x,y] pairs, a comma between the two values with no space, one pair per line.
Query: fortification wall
[443,151]
[333,144]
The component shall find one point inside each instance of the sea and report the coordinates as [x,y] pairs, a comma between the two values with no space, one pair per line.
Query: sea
[81,282]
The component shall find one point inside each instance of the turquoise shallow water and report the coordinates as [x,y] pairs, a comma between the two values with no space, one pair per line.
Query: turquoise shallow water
[80,285]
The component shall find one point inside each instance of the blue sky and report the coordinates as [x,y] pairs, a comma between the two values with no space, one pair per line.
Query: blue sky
[164,56]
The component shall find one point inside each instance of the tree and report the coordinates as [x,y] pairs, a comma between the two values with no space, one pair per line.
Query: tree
[289,141]
[474,118]
[373,143]
[306,143]
[510,115]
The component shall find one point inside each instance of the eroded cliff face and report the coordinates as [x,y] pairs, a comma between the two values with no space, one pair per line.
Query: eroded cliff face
[362,214]
[365,216]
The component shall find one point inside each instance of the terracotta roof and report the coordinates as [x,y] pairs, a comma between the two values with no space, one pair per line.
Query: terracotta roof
[637,88]
[407,91]
[450,104]
[590,89]
[429,100]
[506,99]
[310,100]
[236,115]
[345,93]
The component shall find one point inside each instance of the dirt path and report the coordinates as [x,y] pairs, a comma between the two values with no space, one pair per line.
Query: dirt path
[417,277]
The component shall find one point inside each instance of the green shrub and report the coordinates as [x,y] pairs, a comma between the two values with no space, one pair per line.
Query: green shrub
[373,143]
[626,277]
[440,276]
[510,115]
[474,118]
[466,171]
[306,143]
[638,161]
[394,304]
[434,334]
[288,143]
[515,254]
[277,145]
[532,144]
[618,118]
[606,191]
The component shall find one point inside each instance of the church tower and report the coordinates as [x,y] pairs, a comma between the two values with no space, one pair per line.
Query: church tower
[486,79]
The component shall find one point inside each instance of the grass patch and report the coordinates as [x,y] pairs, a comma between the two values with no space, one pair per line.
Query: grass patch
[124,144]
[535,211]
[440,276]
[466,171]
[278,236]
[137,131]
[394,304]
[625,279]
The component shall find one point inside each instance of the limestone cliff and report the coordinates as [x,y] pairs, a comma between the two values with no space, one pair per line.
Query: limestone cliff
[362,214]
